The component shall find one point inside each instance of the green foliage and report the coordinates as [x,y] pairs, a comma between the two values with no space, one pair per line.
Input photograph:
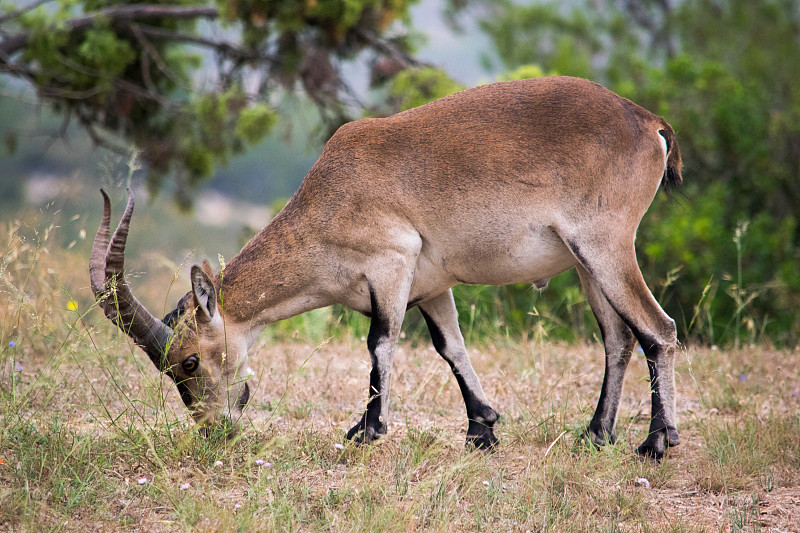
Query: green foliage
[102,51]
[414,87]
[524,72]
[330,19]
[254,123]
[724,75]
[128,72]
[540,31]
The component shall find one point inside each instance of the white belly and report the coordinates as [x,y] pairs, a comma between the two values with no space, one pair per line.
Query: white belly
[532,257]
[474,257]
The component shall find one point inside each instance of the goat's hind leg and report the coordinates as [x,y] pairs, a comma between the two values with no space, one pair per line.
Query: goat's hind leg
[618,342]
[613,267]
[442,318]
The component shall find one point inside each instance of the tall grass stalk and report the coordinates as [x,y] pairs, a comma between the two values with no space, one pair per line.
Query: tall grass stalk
[738,291]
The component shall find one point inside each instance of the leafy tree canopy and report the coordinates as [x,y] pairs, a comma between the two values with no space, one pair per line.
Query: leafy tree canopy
[190,82]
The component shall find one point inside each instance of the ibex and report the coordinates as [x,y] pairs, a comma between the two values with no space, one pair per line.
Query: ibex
[505,183]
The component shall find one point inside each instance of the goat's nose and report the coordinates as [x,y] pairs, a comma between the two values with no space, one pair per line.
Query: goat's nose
[230,423]
[223,425]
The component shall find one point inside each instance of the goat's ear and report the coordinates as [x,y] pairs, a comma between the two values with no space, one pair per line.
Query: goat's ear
[204,293]
[207,268]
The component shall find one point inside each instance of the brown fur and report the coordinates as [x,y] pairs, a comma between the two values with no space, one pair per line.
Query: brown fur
[505,183]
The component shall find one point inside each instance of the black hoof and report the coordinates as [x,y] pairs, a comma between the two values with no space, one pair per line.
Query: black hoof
[673,437]
[362,433]
[651,450]
[598,436]
[481,437]
[658,442]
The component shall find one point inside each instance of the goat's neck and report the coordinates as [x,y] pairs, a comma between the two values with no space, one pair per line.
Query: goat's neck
[272,277]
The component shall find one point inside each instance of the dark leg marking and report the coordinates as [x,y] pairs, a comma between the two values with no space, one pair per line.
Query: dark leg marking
[371,427]
[481,416]
[625,291]
[618,342]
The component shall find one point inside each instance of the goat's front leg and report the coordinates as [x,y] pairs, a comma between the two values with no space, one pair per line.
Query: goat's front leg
[388,309]
[442,318]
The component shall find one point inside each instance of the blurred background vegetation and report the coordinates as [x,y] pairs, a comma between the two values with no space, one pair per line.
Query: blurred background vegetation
[223,106]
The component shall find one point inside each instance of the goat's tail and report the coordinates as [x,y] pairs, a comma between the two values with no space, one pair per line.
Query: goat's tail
[672,178]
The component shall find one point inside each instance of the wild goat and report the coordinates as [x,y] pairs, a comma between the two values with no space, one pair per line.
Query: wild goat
[505,183]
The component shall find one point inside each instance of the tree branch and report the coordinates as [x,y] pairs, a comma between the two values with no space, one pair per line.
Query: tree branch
[15,43]
[387,47]
[149,52]
[231,50]
[21,11]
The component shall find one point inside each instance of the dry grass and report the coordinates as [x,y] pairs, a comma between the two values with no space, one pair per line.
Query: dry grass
[93,439]
[88,430]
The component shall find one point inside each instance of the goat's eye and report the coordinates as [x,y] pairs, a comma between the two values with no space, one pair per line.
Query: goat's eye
[190,364]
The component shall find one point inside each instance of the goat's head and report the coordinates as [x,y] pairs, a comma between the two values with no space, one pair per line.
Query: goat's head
[192,345]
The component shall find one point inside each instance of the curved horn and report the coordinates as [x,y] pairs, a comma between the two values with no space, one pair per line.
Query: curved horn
[97,261]
[106,270]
